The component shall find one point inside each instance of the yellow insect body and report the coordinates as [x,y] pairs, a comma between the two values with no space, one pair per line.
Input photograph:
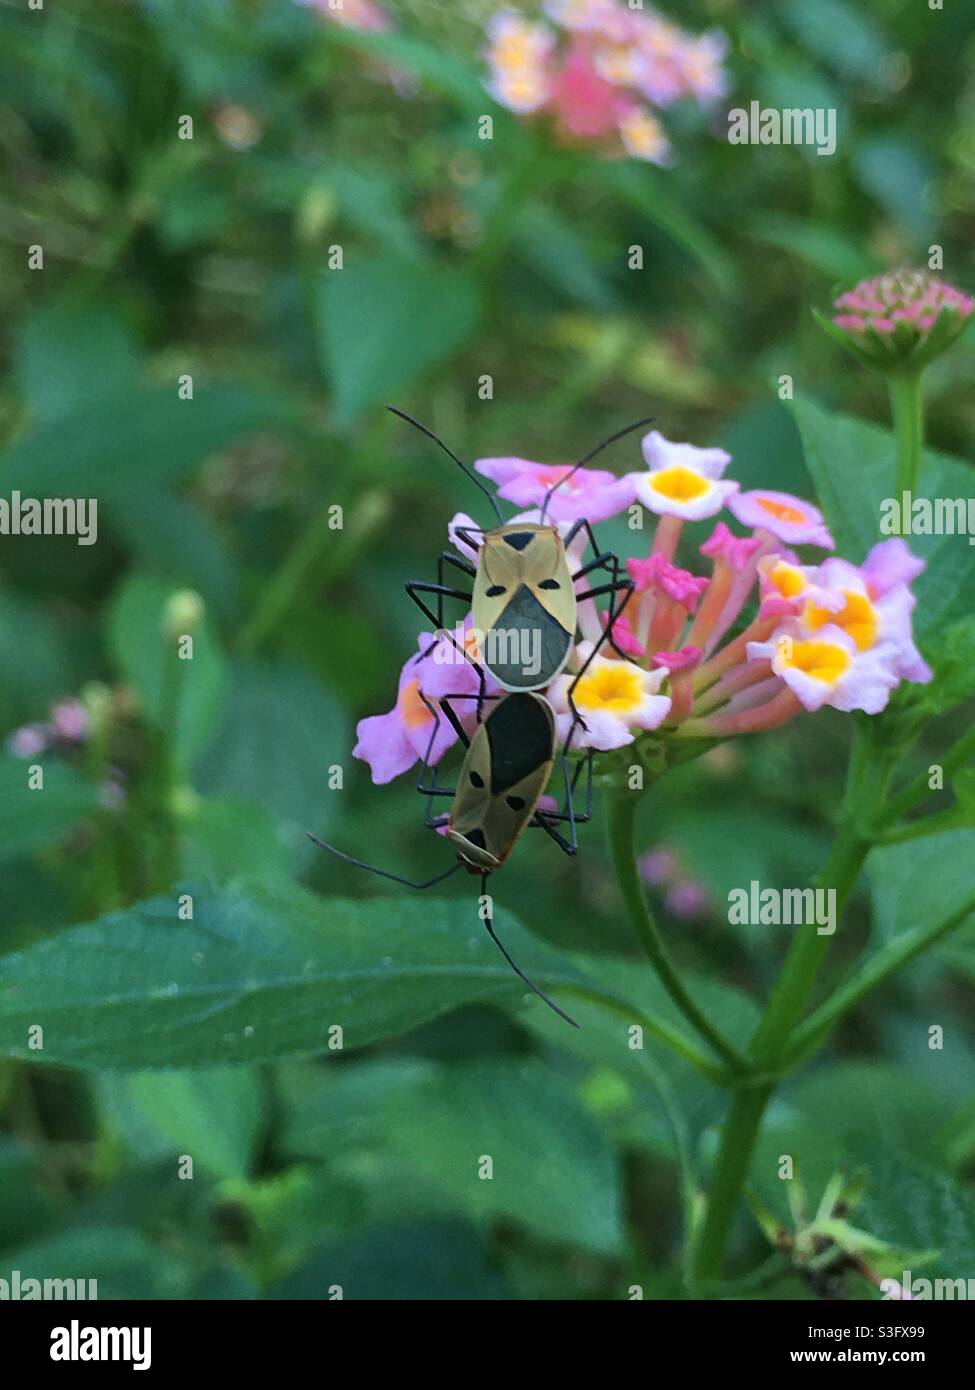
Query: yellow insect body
[524,605]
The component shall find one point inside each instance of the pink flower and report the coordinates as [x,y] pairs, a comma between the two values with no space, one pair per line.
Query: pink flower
[684,660]
[623,635]
[71,721]
[658,574]
[590,492]
[658,866]
[595,76]
[735,551]
[392,743]
[844,597]
[828,668]
[687,900]
[787,517]
[889,564]
[352,14]
[701,61]
[519,59]
[586,104]
[29,741]
[892,317]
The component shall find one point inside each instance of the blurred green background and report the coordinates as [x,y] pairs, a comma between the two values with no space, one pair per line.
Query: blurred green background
[210,258]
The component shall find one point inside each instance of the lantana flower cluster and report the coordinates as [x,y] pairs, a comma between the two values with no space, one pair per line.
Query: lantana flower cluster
[601,70]
[905,315]
[749,644]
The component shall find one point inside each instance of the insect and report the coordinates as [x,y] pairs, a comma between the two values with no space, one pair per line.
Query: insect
[524,603]
[508,762]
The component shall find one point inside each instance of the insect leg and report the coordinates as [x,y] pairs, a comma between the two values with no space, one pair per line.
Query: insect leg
[489,924]
[628,587]
[382,873]
[568,847]
[414,587]
[569,813]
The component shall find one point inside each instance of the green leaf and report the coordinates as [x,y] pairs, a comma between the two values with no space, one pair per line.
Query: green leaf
[819,244]
[121,1262]
[56,369]
[230,836]
[172,537]
[908,1205]
[436,1259]
[952,656]
[33,818]
[147,657]
[897,174]
[922,882]
[260,972]
[552,1168]
[32,657]
[646,191]
[213,1116]
[109,447]
[384,324]
[853,466]
[439,69]
[280,733]
[840,1116]
[838,33]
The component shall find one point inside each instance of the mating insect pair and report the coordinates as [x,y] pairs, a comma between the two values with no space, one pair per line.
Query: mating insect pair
[524,609]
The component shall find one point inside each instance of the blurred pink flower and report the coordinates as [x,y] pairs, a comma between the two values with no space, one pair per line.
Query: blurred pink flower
[590,492]
[70,721]
[595,77]
[29,741]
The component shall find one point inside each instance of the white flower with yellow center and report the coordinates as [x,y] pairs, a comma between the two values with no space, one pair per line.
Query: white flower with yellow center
[518,58]
[613,697]
[643,136]
[844,597]
[682,480]
[827,667]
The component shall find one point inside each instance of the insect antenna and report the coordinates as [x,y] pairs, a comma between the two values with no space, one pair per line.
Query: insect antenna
[591,455]
[382,873]
[462,466]
[489,923]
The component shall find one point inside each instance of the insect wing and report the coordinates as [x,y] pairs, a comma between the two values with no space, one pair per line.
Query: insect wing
[505,772]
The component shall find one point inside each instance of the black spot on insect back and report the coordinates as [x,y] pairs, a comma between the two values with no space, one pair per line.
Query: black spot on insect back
[519,540]
[521,732]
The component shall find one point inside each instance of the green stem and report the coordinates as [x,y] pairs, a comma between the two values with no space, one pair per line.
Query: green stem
[653,1027]
[318,536]
[952,819]
[622,823]
[907,409]
[866,784]
[868,977]
[918,788]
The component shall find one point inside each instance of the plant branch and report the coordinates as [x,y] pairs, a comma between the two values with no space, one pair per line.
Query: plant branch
[622,816]
[868,977]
